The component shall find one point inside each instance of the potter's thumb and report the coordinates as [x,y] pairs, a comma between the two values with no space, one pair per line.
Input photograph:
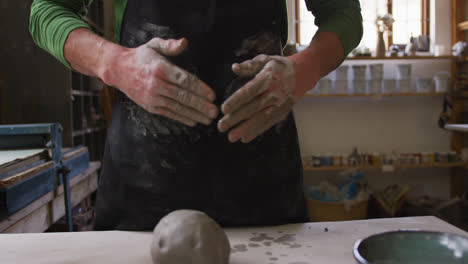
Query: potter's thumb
[168,47]
[245,69]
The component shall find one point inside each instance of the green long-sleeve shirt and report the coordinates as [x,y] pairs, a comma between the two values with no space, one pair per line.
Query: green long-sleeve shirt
[51,21]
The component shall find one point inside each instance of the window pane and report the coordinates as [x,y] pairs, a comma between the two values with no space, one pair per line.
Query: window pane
[305,15]
[407,15]
[370,9]
[307,28]
[369,38]
[400,9]
[400,32]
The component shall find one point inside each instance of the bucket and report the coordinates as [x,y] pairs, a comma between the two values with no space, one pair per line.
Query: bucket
[403,71]
[341,87]
[325,86]
[404,85]
[341,73]
[442,82]
[374,86]
[321,211]
[389,86]
[359,72]
[376,71]
[359,87]
[424,85]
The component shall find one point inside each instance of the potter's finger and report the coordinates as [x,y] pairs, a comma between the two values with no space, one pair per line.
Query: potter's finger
[168,47]
[250,67]
[172,115]
[184,80]
[260,122]
[182,110]
[258,130]
[245,112]
[251,124]
[248,92]
[187,98]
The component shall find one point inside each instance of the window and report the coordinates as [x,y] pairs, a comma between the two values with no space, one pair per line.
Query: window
[411,18]
[407,21]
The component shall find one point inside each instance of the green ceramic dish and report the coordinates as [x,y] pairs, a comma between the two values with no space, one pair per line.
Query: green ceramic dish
[412,246]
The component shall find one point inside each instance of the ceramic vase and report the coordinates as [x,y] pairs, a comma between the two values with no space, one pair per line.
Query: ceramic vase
[380,49]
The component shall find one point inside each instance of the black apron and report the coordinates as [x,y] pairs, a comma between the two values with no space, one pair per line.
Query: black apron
[154,165]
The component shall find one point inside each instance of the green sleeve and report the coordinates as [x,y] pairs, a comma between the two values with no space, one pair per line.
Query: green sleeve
[342,17]
[119,10]
[51,21]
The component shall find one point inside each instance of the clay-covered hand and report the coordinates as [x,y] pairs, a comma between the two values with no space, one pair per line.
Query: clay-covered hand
[150,80]
[263,102]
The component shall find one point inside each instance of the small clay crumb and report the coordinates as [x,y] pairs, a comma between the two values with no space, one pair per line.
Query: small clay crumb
[285,238]
[269,253]
[261,237]
[240,248]
[295,245]
[273,259]
[254,245]
[326,229]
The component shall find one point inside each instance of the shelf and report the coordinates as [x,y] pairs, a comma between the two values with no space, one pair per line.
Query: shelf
[425,57]
[460,94]
[396,167]
[372,95]
[85,131]
[463,25]
[457,127]
[83,93]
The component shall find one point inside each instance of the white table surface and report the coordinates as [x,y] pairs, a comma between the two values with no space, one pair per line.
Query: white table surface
[7,156]
[306,243]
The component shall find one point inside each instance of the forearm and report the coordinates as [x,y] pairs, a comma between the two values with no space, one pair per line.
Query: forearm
[340,31]
[91,54]
[323,55]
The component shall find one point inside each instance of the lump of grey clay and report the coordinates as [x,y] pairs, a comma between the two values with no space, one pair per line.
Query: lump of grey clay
[188,236]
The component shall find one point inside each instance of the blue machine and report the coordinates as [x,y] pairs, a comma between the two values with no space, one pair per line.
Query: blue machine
[57,166]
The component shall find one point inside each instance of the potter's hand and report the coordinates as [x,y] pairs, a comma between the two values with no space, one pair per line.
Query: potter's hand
[263,102]
[151,81]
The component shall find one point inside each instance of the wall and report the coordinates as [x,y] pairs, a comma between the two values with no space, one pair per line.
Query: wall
[404,124]
[37,84]
[440,24]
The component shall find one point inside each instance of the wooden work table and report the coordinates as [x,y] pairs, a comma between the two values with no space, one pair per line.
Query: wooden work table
[324,243]
[42,213]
